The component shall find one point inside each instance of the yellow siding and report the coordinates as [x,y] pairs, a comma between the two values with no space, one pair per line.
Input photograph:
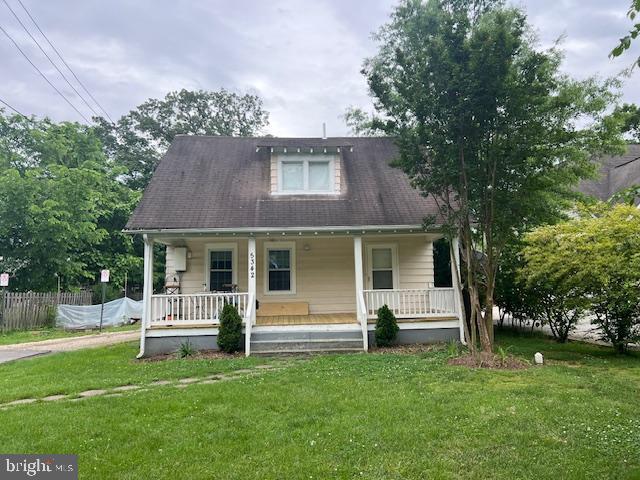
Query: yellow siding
[193,279]
[414,260]
[325,276]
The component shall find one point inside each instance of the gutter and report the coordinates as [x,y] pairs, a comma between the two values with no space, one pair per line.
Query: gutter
[350,229]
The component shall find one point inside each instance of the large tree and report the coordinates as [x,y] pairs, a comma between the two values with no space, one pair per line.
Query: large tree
[62,206]
[140,138]
[626,41]
[487,125]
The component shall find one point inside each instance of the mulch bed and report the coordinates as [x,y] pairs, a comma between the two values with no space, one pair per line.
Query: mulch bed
[490,360]
[200,355]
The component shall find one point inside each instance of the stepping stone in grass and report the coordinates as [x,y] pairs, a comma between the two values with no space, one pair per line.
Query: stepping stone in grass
[189,380]
[53,398]
[92,393]
[160,382]
[182,385]
[22,401]
[126,388]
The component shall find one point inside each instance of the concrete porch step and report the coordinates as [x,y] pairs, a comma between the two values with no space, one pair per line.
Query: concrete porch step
[306,351]
[299,345]
[303,335]
[288,341]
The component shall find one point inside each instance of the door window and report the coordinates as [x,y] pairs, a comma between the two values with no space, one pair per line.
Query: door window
[382,268]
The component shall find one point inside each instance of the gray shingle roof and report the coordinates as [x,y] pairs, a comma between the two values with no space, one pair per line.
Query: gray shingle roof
[223,183]
[616,173]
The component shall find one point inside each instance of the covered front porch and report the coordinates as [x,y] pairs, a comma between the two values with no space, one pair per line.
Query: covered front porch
[294,280]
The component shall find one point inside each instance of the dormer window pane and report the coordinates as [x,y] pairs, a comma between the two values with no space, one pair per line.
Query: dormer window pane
[319,176]
[292,176]
[299,174]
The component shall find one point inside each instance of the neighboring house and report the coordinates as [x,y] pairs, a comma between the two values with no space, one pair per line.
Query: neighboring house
[308,237]
[616,173]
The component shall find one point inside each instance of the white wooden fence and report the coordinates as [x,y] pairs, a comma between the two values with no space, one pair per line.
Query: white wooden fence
[412,303]
[27,310]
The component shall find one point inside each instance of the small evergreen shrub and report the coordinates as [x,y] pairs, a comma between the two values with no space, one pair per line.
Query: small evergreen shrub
[230,331]
[386,327]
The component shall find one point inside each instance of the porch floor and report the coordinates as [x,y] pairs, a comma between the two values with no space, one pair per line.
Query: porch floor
[311,319]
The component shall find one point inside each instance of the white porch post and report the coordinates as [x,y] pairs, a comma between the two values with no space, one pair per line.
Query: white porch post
[251,287]
[457,290]
[361,314]
[147,290]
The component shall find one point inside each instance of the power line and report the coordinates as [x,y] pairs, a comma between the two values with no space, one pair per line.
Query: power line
[43,75]
[49,58]
[14,109]
[63,60]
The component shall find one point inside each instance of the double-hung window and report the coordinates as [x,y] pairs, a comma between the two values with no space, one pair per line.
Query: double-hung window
[280,268]
[306,174]
[220,267]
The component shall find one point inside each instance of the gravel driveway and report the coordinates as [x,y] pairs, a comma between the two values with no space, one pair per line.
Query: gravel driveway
[29,349]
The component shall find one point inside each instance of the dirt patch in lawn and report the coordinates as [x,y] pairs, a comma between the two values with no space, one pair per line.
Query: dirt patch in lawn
[408,349]
[489,360]
[201,354]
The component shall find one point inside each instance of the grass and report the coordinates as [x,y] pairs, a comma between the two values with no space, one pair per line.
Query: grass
[377,416]
[48,333]
[99,368]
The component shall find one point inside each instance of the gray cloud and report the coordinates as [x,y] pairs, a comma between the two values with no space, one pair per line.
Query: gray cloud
[302,57]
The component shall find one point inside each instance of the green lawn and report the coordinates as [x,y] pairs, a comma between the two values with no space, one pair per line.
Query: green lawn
[23,336]
[373,416]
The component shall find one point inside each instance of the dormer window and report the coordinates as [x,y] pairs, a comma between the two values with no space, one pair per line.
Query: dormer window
[306,174]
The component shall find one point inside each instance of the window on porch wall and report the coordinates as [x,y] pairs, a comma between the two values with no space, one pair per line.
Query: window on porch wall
[221,270]
[279,270]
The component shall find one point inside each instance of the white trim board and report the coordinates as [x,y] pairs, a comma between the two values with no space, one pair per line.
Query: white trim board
[327,327]
[180,331]
[422,325]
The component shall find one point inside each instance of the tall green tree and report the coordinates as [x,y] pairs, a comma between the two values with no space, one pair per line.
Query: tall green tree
[626,41]
[62,206]
[487,125]
[140,138]
[628,115]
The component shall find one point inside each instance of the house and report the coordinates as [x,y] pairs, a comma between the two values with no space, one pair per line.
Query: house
[616,173]
[308,237]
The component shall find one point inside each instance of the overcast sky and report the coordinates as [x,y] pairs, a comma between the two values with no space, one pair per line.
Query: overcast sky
[303,57]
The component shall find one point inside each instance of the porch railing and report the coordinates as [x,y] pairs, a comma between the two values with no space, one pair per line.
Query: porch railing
[194,309]
[412,303]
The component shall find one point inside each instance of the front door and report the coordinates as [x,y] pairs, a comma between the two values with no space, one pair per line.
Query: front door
[382,267]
